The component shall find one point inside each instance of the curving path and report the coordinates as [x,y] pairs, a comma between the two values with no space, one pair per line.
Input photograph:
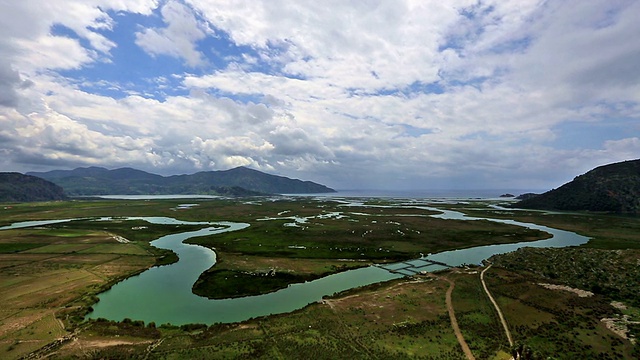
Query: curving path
[454,322]
[495,304]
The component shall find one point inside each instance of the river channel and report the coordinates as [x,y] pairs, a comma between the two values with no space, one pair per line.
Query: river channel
[163,294]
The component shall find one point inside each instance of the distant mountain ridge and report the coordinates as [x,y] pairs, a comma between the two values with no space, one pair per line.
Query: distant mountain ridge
[16,187]
[612,188]
[240,181]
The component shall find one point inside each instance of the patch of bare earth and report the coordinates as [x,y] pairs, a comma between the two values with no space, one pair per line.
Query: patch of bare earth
[620,324]
[580,293]
[103,343]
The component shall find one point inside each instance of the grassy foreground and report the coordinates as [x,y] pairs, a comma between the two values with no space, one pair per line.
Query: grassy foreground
[50,275]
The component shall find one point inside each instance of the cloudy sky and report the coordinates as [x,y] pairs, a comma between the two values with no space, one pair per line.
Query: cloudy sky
[386,94]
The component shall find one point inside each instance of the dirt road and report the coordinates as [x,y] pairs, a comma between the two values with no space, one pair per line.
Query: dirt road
[495,304]
[454,322]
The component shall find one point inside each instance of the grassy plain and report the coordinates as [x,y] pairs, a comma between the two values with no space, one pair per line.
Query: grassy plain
[49,276]
[333,237]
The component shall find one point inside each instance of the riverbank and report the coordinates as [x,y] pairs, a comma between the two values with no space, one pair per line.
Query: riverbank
[342,231]
[267,336]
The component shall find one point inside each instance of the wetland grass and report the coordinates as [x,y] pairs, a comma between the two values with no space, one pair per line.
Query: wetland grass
[399,319]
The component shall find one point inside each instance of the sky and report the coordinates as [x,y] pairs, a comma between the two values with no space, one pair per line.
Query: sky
[423,94]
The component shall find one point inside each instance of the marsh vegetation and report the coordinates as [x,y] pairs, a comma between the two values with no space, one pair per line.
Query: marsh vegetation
[51,274]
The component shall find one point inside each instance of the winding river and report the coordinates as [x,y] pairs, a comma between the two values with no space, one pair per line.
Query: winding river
[163,294]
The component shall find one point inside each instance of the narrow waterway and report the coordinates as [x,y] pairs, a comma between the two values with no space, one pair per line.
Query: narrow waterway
[475,255]
[163,294]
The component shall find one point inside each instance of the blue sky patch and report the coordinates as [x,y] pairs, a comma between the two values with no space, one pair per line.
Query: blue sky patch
[341,88]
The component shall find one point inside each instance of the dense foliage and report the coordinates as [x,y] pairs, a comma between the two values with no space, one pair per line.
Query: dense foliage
[615,274]
[612,188]
[16,187]
[223,283]
[554,324]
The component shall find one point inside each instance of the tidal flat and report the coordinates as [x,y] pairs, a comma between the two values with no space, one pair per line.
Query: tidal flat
[51,275]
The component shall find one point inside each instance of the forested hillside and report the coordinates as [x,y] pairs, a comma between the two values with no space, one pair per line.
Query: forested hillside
[16,187]
[613,188]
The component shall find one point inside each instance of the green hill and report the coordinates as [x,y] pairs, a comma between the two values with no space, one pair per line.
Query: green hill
[16,187]
[612,188]
[240,181]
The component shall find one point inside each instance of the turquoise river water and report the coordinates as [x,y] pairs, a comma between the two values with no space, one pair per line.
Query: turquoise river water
[163,294]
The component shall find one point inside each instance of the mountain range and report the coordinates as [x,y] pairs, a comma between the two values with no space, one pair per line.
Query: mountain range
[611,188]
[240,181]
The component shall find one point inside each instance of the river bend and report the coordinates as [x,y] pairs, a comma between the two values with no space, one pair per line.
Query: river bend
[163,294]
